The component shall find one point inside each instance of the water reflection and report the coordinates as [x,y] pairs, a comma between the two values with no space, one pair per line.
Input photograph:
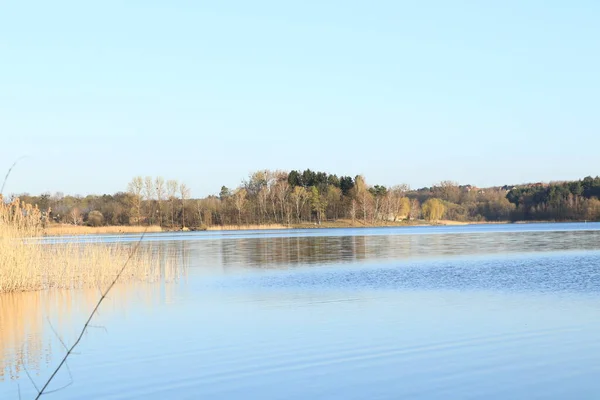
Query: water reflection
[31,322]
[413,306]
[20,343]
[555,273]
[286,252]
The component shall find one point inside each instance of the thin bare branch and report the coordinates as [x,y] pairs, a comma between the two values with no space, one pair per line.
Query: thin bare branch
[92,314]
[30,378]
[57,335]
[68,384]
[59,389]
[99,327]
[9,171]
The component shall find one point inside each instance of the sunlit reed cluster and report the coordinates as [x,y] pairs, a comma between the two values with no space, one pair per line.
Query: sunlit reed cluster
[28,263]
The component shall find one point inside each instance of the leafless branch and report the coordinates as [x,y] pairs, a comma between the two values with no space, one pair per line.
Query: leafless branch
[87,323]
[57,335]
[9,171]
[67,385]
[30,378]
[98,327]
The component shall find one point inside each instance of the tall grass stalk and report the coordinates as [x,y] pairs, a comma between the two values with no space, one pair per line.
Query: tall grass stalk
[28,264]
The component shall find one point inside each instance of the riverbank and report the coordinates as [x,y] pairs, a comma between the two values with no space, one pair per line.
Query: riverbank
[65,229]
[348,223]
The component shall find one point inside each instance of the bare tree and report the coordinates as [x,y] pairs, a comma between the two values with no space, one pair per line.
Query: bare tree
[415,209]
[334,196]
[318,203]
[184,193]
[135,188]
[377,202]
[149,191]
[199,209]
[75,216]
[299,196]
[263,197]
[239,201]
[281,191]
[447,190]
[363,195]
[159,186]
[172,186]
[401,188]
[400,205]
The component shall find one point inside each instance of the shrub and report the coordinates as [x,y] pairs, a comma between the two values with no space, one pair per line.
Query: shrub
[95,218]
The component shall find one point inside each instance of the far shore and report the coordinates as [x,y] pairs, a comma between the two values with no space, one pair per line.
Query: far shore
[66,229]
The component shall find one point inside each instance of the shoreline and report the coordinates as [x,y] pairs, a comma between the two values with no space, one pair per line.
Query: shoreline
[80,230]
[66,230]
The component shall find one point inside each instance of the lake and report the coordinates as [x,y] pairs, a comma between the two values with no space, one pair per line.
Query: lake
[465,312]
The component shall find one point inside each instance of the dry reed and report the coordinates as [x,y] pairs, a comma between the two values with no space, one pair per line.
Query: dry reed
[245,227]
[27,263]
[65,229]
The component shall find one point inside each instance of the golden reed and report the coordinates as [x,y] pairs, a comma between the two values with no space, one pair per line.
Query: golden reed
[27,263]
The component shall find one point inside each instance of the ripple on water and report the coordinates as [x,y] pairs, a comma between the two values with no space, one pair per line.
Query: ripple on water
[543,273]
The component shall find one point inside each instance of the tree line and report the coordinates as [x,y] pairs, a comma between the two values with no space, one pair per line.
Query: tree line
[312,197]
[576,200]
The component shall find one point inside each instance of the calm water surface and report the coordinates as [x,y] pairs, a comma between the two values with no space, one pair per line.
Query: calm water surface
[470,312]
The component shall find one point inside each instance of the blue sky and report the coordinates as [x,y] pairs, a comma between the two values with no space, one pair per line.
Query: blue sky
[206,92]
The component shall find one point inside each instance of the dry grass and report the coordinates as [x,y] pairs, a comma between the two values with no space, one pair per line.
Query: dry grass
[357,223]
[340,223]
[27,263]
[66,229]
[449,222]
[245,227]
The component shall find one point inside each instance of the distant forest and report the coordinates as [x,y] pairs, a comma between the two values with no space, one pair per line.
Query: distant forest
[301,197]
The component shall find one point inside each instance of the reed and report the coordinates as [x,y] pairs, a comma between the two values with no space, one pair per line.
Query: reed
[246,227]
[28,263]
[65,229]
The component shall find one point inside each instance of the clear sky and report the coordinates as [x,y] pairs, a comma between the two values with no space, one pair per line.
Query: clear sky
[206,92]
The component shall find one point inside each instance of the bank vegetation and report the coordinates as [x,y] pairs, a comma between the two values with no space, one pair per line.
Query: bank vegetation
[307,198]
